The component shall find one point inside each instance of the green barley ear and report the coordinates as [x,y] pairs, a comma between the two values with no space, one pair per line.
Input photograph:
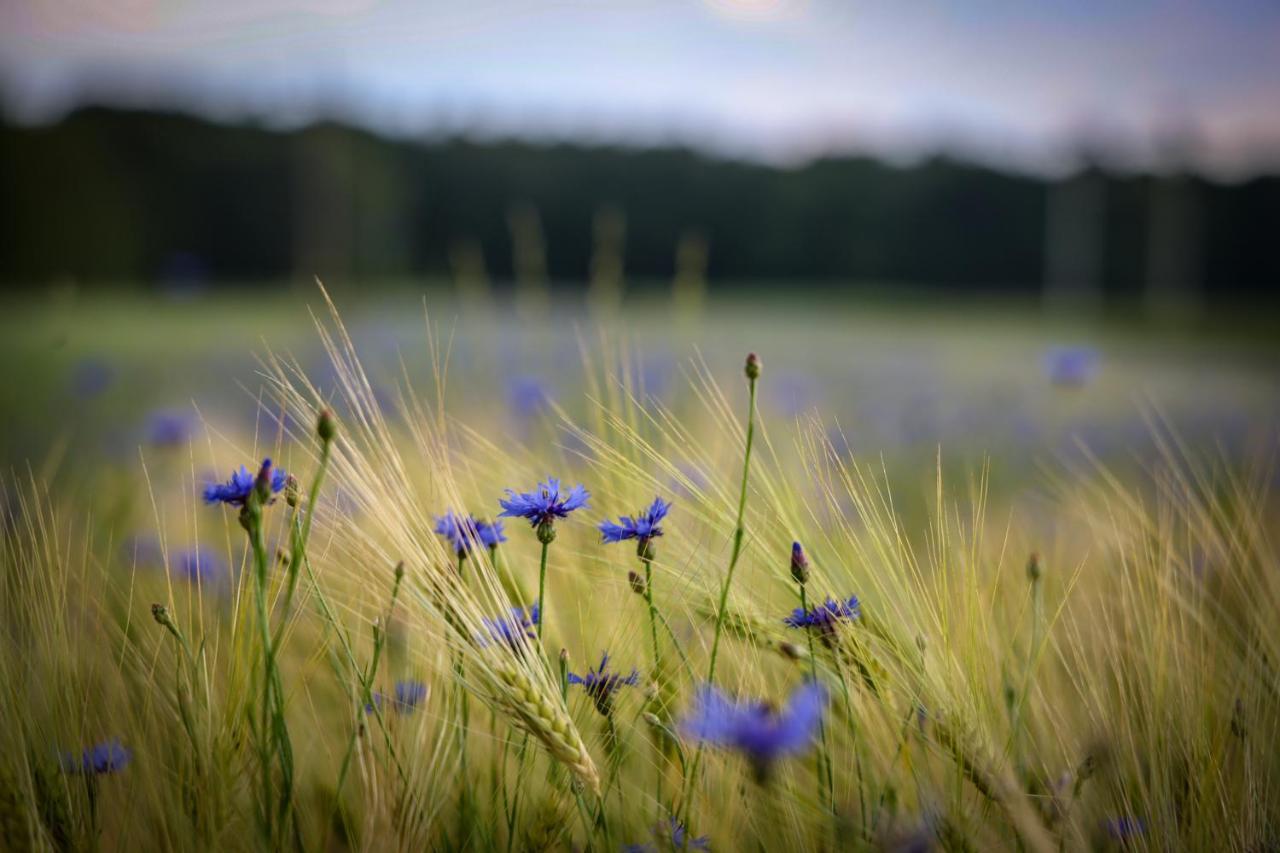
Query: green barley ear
[549,823]
[549,724]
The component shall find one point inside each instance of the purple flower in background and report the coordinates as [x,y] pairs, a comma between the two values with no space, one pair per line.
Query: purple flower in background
[198,565]
[825,615]
[1071,367]
[527,395]
[169,428]
[671,835]
[491,534]
[407,696]
[464,532]
[543,505]
[90,377]
[513,629]
[600,684]
[1121,828]
[106,757]
[237,488]
[643,527]
[756,730]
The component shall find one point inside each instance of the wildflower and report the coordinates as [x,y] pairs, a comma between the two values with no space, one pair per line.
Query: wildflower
[106,757]
[799,564]
[198,565]
[671,834]
[600,684]
[753,366]
[643,527]
[169,428]
[544,505]
[407,696]
[1034,569]
[755,729]
[527,396]
[825,615]
[514,628]
[1121,828]
[490,533]
[241,483]
[459,530]
[1071,367]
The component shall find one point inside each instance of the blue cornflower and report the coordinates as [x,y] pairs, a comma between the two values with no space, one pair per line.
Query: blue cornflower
[512,629]
[1071,367]
[643,527]
[463,532]
[198,565]
[1121,828]
[408,696]
[673,835]
[238,487]
[459,530]
[544,505]
[753,728]
[90,377]
[490,533]
[169,428]
[825,615]
[106,757]
[600,685]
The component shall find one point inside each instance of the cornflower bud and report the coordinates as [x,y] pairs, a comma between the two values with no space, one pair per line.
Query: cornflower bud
[637,583]
[326,426]
[753,366]
[799,564]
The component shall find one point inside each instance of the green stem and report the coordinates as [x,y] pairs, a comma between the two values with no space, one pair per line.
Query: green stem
[737,538]
[692,776]
[659,741]
[542,588]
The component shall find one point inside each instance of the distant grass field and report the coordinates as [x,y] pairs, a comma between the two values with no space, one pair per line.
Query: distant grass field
[295,690]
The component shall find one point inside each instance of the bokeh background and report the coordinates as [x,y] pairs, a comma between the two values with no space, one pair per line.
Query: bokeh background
[1028,231]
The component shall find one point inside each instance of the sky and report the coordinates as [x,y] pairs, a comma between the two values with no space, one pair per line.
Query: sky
[1025,84]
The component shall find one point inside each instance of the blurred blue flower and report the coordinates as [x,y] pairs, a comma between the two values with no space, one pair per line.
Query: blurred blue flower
[755,729]
[90,377]
[826,614]
[106,757]
[198,565]
[1121,828]
[237,488]
[671,835]
[169,428]
[600,684]
[527,395]
[643,527]
[464,532]
[1071,367]
[514,628]
[544,505]
[142,550]
[408,695]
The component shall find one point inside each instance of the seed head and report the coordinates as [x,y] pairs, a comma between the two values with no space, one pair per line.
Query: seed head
[326,426]
[753,366]
[637,583]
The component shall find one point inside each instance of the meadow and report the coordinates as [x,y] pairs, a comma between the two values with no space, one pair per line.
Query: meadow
[543,576]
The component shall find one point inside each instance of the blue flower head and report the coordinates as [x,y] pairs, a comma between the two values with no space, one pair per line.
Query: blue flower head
[199,565]
[826,615]
[408,696]
[490,533]
[543,505]
[239,486]
[513,629]
[106,757]
[753,728]
[643,527]
[1071,367]
[671,835]
[465,532]
[169,428]
[600,684]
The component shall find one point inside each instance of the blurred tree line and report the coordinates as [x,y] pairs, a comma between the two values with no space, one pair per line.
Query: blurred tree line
[114,195]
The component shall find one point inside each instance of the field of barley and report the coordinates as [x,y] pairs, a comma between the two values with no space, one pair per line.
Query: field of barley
[442,572]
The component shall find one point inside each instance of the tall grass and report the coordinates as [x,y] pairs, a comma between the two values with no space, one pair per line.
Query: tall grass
[1120,690]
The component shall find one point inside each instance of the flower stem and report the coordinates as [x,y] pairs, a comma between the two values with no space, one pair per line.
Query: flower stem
[542,588]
